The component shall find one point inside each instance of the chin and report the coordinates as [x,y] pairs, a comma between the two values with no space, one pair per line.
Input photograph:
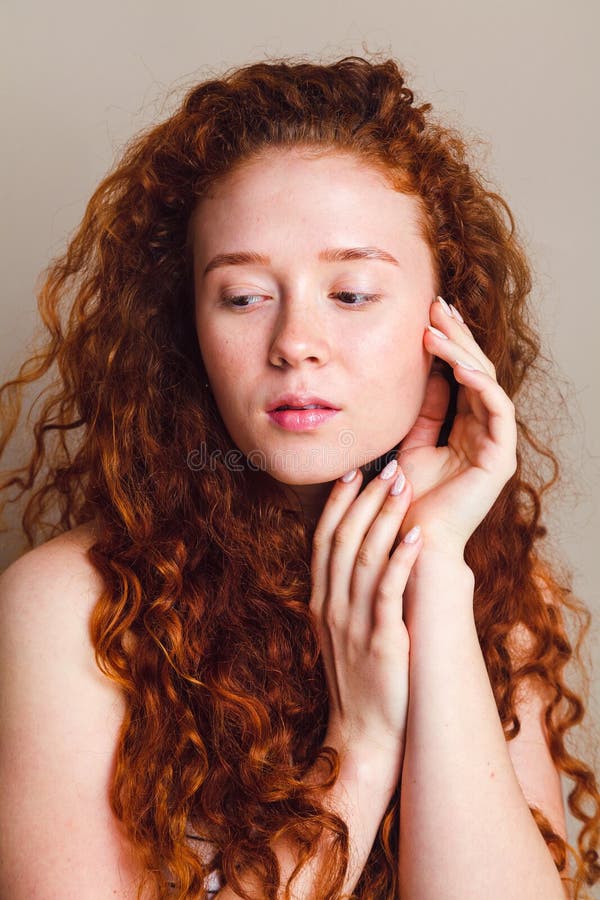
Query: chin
[311,479]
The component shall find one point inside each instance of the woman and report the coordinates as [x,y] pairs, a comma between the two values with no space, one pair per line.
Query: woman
[325,651]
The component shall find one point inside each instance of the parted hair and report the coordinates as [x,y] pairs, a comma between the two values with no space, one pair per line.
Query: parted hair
[204,618]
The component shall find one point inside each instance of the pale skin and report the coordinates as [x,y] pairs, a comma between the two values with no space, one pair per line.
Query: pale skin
[406,676]
[294,333]
[430,719]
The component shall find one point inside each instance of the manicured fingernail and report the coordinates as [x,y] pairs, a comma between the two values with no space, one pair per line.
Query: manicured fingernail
[444,306]
[349,476]
[389,470]
[413,535]
[398,485]
[456,314]
[437,332]
[465,365]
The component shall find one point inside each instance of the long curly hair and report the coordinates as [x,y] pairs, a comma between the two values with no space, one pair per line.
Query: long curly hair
[203,620]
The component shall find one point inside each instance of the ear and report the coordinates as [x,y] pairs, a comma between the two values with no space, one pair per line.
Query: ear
[439,365]
[426,430]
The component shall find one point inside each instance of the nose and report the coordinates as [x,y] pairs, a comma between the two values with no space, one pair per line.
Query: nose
[299,334]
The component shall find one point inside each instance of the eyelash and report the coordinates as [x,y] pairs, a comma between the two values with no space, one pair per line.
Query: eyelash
[368,298]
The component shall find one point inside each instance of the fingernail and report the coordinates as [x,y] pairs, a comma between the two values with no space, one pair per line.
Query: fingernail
[398,485]
[456,314]
[437,332]
[349,475]
[444,306]
[413,535]
[389,470]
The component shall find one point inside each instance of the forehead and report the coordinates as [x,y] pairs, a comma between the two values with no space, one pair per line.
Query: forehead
[297,196]
[309,164]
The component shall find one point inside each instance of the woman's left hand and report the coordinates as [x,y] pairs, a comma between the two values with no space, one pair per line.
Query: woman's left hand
[455,486]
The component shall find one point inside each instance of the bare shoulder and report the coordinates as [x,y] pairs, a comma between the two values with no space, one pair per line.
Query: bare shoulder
[46,598]
[63,558]
[47,595]
[61,719]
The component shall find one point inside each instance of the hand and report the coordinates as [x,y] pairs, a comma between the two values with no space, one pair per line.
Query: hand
[455,486]
[356,600]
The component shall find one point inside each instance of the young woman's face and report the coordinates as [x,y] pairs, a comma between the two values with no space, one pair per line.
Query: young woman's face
[302,322]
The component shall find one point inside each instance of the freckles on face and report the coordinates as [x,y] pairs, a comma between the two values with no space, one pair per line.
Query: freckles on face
[300,320]
[394,369]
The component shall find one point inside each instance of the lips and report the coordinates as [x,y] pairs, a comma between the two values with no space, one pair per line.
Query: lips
[304,419]
[300,401]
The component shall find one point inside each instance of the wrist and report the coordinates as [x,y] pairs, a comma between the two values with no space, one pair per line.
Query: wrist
[437,562]
[439,593]
[371,761]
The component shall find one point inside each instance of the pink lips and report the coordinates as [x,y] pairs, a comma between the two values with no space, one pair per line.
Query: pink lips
[297,419]
[300,399]
[301,419]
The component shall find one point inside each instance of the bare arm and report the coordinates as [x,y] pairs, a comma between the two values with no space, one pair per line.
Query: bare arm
[356,600]
[360,796]
[60,720]
[485,839]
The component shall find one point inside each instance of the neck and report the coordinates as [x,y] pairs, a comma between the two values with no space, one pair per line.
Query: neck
[310,498]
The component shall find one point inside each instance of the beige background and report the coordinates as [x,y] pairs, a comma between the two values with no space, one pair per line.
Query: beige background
[80,78]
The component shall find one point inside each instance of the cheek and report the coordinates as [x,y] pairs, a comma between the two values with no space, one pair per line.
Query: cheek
[228,364]
[400,374]
[220,354]
[398,355]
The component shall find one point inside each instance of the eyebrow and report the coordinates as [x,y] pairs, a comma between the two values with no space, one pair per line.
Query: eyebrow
[331,254]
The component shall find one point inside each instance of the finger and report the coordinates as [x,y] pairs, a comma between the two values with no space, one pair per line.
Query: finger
[341,497]
[441,318]
[499,408]
[457,315]
[449,350]
[373,557]
[350,534]
[388,605]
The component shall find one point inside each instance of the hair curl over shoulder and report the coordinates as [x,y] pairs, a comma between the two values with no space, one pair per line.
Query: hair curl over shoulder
[226,715]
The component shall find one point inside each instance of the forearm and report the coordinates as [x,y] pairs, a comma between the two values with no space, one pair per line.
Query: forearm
[360,796]
[466,830]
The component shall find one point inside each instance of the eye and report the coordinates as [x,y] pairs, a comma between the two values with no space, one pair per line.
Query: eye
[367,298]
[239,300]
[232,301]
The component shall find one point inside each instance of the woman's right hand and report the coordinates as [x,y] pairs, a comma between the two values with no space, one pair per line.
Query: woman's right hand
[356,600]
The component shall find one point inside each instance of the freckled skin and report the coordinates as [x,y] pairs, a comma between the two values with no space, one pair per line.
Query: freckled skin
[366,357]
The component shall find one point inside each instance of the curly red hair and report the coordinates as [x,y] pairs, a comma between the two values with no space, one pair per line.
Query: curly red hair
[204,619]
